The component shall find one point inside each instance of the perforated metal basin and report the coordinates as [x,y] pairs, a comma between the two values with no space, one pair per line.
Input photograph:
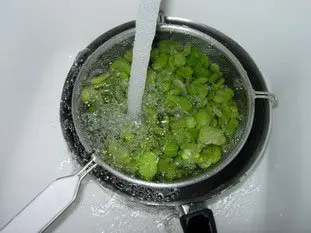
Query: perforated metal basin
[105,49]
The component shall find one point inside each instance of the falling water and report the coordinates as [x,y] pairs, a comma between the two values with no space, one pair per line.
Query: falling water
[145,31]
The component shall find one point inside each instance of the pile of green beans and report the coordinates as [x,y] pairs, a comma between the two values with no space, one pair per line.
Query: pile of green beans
[188,114]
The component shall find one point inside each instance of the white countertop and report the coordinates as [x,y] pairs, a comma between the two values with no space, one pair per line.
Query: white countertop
[38,42]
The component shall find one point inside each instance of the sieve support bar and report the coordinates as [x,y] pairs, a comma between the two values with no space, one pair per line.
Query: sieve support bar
[49,204]
[267,95]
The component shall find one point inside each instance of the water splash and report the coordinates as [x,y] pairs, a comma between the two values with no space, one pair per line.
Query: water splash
[234,203]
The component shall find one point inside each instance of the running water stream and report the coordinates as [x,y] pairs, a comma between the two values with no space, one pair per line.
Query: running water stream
[146,23]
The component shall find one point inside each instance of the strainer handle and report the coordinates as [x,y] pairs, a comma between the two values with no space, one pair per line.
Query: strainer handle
[196,217]
[49,204]
[267,95]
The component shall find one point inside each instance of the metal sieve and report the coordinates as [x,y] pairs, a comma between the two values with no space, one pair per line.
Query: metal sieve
[100,54]
[234,74]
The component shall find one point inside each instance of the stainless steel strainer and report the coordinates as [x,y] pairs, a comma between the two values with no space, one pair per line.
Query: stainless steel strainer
[234,74]
[62,192]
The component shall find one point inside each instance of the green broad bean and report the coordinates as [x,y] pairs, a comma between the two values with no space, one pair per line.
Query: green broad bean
[171,148]
[190,152]
[154,54]
[100,79]
[166,169]
[200,80]
[182,102]
[129,55]
[121,65]
[220,83]
[224,95]
[169,46]
[214,68]
[203,117]
[127,134]
[119,153]
[160,62]
[214,77]
[179,60]
[184,72]
[181,86]
[191,122]
[209,135]
[200,70]
[175,91]
[148,165]
[209,156]
[88,95]
[231,127]
[187,50]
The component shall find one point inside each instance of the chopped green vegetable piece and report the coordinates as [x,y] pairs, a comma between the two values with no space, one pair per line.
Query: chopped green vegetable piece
[214,68]
[178,124]
[164,85]
[209,156]
[213,77]
[171,62]
[151,115]
[121,65]
[205,60]
[203,117]
[200,80]
[160,62]
[224,95]
[213,123]
[209,135]
[201,71]
[151,76]
[100,79]
[194,133]
[175,91]
[187,50]
[148,143]
[202,91]
[181,102]
[180,85]
[129,55]
[179,60]
[222,121]
[119,153]
[148,165]
[234,110]
[91,109]
[217,111]
[190,152]
[154,54]
[220,82]
[88,95]
[183,137]
[170,46]
[166,169]
[184,72]
[128,134]
[171,148]
[123,75]
[231,127]
[191,122]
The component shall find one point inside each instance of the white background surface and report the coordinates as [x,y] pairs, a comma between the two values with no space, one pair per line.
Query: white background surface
[38,42]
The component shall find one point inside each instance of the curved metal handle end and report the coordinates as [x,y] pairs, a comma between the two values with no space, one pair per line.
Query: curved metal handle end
[196,218]
[269,96]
